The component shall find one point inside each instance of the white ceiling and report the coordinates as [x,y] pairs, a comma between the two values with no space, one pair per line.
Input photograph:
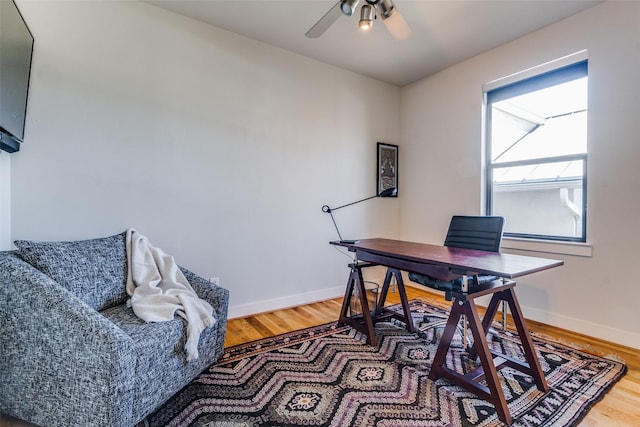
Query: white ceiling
[444,32]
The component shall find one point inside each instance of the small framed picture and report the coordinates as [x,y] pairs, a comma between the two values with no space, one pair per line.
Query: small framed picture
[387,168]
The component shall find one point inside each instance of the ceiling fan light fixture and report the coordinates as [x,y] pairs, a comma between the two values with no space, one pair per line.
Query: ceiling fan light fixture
[348,6]
[397,26]
[387,8]
[390,15]
[366,17]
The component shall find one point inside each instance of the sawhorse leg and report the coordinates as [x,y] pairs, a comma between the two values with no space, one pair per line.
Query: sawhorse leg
[464,306]
[407,319]
[364,324]
[492,392]
[532,366]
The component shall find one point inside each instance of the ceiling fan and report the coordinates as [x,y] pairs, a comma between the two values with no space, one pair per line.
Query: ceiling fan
[388,11]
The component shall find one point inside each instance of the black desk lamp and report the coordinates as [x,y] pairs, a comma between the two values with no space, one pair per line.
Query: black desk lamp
[385,193]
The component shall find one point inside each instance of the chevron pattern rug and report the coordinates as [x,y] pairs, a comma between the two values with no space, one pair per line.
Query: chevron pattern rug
[328,376]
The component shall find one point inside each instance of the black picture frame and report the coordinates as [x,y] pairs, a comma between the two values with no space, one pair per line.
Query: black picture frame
[387,168]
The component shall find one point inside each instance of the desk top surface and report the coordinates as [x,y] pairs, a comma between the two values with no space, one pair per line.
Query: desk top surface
[469,260]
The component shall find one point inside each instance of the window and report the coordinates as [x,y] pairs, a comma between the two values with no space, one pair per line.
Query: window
[537,154]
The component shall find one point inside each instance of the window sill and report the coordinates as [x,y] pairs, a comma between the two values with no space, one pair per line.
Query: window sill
[547,246]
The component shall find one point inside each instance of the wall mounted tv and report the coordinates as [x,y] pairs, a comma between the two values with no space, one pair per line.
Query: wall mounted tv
[16,47]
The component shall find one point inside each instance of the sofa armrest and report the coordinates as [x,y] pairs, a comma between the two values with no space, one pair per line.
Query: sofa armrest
[62,362]
[218,297]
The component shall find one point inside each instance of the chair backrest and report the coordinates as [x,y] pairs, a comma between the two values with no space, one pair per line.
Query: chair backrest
[475,232]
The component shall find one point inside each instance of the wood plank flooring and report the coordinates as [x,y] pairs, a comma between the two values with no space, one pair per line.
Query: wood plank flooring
[619,408]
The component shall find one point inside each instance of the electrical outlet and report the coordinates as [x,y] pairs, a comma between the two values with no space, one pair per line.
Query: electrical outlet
[215,280]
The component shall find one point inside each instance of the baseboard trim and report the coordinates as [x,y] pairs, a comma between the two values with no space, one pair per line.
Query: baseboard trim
[263,306]
[591,329]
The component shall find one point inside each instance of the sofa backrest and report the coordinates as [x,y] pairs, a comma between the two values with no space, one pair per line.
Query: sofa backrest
[94,270]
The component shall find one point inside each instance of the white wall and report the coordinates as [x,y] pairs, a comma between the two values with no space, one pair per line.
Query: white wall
[5,201]
[220,149]
[441,127]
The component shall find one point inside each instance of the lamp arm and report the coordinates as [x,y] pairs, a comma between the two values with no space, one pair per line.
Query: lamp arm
[327,209]
[333,219]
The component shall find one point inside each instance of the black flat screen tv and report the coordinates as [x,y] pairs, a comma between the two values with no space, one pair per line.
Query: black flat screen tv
[16,48]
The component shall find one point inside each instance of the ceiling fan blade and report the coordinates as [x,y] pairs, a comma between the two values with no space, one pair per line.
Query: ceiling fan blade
[325,22]
[397,26]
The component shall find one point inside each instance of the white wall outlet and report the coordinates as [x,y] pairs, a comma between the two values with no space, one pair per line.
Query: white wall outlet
[215,280]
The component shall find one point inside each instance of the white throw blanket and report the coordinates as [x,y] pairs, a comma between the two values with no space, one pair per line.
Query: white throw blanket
[158,290]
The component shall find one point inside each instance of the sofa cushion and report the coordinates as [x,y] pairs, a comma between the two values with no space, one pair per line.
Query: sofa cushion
[161,363]
[94,270]
[159,345]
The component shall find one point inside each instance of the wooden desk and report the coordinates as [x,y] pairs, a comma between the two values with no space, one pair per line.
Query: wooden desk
[447,263]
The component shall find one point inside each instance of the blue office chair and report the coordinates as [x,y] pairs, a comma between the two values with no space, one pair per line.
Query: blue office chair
[469,232]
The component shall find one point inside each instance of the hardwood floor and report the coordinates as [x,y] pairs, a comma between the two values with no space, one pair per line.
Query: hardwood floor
[620,407]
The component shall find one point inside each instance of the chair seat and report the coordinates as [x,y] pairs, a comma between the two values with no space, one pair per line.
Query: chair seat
[449,286]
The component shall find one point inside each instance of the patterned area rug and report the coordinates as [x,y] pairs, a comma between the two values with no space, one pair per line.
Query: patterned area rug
[328,376]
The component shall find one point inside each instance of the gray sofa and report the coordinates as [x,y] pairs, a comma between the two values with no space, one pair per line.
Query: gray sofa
[72,353]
